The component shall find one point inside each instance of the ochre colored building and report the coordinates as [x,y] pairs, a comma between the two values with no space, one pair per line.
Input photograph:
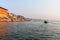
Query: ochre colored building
[12,17]
[4,15]
[3,11]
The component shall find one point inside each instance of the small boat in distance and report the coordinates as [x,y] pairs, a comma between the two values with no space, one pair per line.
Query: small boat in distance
[45,22]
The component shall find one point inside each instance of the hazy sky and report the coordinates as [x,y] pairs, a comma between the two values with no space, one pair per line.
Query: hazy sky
[40,9]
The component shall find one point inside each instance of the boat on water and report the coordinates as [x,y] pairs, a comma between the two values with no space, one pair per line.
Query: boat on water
[45,22]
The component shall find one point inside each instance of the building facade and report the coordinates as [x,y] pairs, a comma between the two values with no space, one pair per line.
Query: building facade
[10,17]
[4,15]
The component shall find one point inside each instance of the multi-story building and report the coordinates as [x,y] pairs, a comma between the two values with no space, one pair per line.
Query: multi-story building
[4,15]
[12,17]
[20,18]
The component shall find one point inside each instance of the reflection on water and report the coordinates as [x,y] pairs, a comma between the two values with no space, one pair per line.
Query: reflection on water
[29,31]
[3,30]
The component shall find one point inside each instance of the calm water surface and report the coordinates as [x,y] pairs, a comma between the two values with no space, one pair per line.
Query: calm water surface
[29,31]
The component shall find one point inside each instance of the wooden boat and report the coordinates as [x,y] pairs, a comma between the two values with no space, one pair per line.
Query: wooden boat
[45,22]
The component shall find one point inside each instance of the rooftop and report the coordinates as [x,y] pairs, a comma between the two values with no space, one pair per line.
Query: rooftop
[3,8]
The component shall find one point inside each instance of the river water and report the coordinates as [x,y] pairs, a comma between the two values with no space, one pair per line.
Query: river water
[29,31]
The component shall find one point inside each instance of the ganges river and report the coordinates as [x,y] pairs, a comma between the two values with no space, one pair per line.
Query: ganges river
[29,31]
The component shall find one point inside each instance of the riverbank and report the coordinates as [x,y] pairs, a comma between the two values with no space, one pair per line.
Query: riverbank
[5,16]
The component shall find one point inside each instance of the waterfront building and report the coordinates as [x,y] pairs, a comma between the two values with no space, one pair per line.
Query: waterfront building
[4,15]
[20,18]
[12,17]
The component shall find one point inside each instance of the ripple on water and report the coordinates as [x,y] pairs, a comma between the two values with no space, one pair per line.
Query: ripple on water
[32,30]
